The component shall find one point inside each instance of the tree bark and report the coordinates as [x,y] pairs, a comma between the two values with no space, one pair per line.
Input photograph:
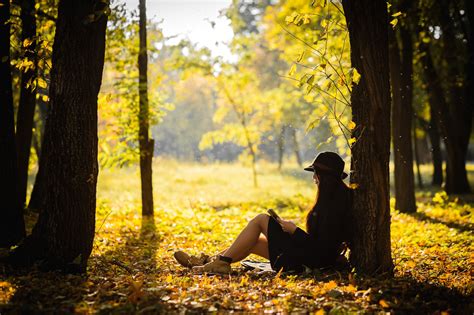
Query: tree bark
[401,81]
[64,232]
[417,156]
[433,133]
[26,108]
[146,144]
[367,22]
[12,226]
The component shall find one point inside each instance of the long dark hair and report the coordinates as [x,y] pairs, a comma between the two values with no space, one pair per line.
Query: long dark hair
[333,194]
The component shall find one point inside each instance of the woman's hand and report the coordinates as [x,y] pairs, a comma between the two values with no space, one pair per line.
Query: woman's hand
[287,226]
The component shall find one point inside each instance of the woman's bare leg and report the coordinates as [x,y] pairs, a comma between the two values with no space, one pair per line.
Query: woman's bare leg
[249,240]
[260,248]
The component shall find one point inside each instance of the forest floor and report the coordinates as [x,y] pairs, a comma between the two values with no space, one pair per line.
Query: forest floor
[201,208]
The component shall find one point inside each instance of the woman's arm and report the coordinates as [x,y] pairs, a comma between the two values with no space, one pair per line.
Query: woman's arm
[287,226]
[297,233]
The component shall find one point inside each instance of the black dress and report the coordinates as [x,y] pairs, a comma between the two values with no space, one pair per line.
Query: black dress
[316,249]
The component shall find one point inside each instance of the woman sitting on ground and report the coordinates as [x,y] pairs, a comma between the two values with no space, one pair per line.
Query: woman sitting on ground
[282,242]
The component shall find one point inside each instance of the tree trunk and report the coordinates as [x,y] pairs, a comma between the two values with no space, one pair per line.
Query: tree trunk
[281,146]
[12,226]
[417,156]
[456,175]
[454,111]
[296,147]
[146,144]
[26,108]
[469,70]
[401,81]
[64,232]
[367,22]
[437,158]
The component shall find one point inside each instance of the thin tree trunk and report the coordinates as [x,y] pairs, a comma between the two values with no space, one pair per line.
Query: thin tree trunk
[401,82]
[437,158]
[296,147]
[454,110]
[12,226]
[281,146]
[417,157]
[367,22]
[254,164]
[243,122]
[26,108]
[65,229]
[146,144]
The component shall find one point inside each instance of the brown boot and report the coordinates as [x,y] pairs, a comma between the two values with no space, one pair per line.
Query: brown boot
[190,261]
[215,266]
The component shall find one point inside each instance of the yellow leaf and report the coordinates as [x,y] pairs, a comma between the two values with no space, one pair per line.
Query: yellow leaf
[397,14]
[300,57]
[169,278]
[291,18]
[320,312]
[384,304]
[45,98]
[42,83]
[355,76]
[292,70]
[27,42]
[411,264]
[352,141]
[351,125]
[306,19]
[330,285]
[351,288]
[394,22]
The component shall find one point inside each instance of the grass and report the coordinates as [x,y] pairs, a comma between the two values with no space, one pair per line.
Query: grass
[202,208]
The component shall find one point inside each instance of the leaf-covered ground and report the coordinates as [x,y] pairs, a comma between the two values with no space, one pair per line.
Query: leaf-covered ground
[202,208]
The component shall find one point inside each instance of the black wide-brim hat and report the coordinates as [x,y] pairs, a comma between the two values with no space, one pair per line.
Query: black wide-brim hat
[328,163]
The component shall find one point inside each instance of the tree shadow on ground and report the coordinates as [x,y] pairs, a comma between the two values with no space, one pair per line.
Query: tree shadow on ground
[420,216]
[33,291]
[112,283]
[401,295]
[122,273]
